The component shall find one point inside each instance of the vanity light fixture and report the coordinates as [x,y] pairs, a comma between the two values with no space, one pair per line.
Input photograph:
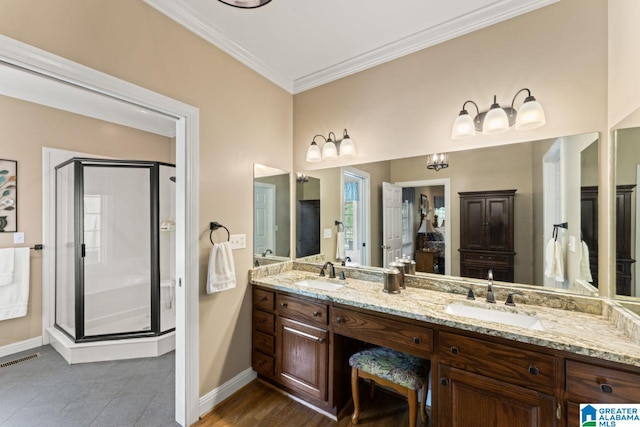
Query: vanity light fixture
[332,148]
[245,4]
[301,178]
[499,119]
[437,161]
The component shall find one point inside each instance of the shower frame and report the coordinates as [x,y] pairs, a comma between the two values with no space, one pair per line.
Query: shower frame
[79,249]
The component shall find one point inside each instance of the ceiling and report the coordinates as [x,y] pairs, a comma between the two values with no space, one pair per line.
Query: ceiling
[301,44]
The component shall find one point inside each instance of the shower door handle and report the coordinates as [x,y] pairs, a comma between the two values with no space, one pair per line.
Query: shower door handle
[83,250]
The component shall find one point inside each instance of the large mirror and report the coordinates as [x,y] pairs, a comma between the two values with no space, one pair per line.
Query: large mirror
[435,217]
[627,211]
[271,215]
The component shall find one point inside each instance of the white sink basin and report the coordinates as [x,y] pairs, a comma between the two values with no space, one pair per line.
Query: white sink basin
[320,284]
[498,316]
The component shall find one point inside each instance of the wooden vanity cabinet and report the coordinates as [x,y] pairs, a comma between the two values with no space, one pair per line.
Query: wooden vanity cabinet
[263,333]
[591,383]
[482,383]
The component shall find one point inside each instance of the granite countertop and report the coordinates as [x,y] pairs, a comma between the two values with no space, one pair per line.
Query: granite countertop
[594,335]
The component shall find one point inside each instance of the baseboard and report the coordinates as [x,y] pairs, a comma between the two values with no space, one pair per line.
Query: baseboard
[17,347]
[217,395]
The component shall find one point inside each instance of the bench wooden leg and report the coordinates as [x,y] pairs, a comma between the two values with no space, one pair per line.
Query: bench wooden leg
[412,396]
[423,403]
[356,396]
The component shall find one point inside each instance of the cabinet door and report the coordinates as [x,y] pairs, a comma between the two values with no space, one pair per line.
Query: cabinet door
[498,226]
[473,223]
[302,357]
[471,400]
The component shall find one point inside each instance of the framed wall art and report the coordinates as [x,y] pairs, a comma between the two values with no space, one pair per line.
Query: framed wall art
[8,196]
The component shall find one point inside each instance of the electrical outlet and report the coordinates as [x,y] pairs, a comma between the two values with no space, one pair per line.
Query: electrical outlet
[327,233]
[18,237]
[238,241]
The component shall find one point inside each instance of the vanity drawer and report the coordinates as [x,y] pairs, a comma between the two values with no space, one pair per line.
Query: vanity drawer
[263,321]
[264,342]
[601,385]
[525,368]
[301,309]
[504,260]
[263,299]
[263,364]
[409,338]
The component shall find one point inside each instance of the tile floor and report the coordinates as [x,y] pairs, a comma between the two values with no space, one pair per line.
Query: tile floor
[48,392]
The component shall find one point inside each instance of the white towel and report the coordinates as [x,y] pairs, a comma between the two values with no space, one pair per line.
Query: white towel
[554,268]
[222,272]
[14,297]
[585,268]
[6,266]
[340,252]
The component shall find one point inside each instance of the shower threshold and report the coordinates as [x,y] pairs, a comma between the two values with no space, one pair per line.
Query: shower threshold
[101,351]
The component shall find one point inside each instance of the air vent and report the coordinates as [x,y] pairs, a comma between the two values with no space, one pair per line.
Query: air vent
[19,360]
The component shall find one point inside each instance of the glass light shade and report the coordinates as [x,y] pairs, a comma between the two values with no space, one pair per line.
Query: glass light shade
[463,127]
[347,148]
[496,121]
[313,153]
[530,116]
[329,150]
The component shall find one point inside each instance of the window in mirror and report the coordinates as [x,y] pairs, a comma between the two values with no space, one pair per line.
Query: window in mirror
[307,216]
[355,214]
[627,211]
[271,215]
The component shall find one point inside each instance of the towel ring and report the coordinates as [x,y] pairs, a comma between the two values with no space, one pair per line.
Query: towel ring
[213,226]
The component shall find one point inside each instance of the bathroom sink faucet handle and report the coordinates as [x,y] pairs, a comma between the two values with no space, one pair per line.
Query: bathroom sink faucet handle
[470,294]
[510,300]
[343,276]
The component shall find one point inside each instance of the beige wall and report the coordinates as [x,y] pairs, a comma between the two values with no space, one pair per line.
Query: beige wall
[27,128]
[244,119]
[406,107]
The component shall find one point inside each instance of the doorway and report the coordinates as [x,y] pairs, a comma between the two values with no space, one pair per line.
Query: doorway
[264,219]
[356,215]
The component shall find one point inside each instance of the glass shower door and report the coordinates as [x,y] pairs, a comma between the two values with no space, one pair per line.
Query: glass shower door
[116,218]
[65,250]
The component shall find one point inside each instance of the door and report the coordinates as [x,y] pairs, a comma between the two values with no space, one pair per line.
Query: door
[473,223]
[471,400]
[497,236]
[392,222]
[302,357]
[264,219]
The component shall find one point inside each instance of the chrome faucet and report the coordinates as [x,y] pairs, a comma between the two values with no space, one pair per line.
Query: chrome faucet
[490,297]
[332,270]
[267,251]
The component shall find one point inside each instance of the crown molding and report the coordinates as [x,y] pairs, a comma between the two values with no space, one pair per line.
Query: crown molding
[464,24]
[188,18]
[496,12]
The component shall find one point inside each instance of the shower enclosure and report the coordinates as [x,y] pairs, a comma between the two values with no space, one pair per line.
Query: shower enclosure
[115,249]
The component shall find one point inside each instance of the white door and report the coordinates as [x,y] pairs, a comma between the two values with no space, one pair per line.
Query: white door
[392,222]
[264,218]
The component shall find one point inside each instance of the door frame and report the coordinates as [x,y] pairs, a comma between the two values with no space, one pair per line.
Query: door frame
[271,193]
[365,178]
[34,61]
[446,182]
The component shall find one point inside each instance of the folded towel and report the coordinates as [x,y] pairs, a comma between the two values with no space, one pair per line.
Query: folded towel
[340,252]
[222,273]
[6,266]
[554,261]
[585,268]
[14,297]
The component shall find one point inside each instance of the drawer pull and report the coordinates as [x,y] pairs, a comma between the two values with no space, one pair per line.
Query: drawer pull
[454,350]
[416,340]
[316,314]
[533,370]
[444,381]
[261,363]
[606,388]
[283,304]
[263,299]
[321,340]
[338,319]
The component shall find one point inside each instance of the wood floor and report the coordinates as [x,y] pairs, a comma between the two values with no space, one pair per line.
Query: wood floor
[259,405]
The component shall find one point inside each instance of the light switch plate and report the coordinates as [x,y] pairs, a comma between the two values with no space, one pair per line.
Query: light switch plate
[327,233]
[18,237]
[238,241]
[572,243]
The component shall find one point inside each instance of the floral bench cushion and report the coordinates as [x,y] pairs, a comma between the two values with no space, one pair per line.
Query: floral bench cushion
[399,368]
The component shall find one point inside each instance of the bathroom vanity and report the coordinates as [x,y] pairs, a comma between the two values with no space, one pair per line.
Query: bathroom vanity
[483,372]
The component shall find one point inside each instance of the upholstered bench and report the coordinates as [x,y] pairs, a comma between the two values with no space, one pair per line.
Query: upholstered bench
[390,368]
